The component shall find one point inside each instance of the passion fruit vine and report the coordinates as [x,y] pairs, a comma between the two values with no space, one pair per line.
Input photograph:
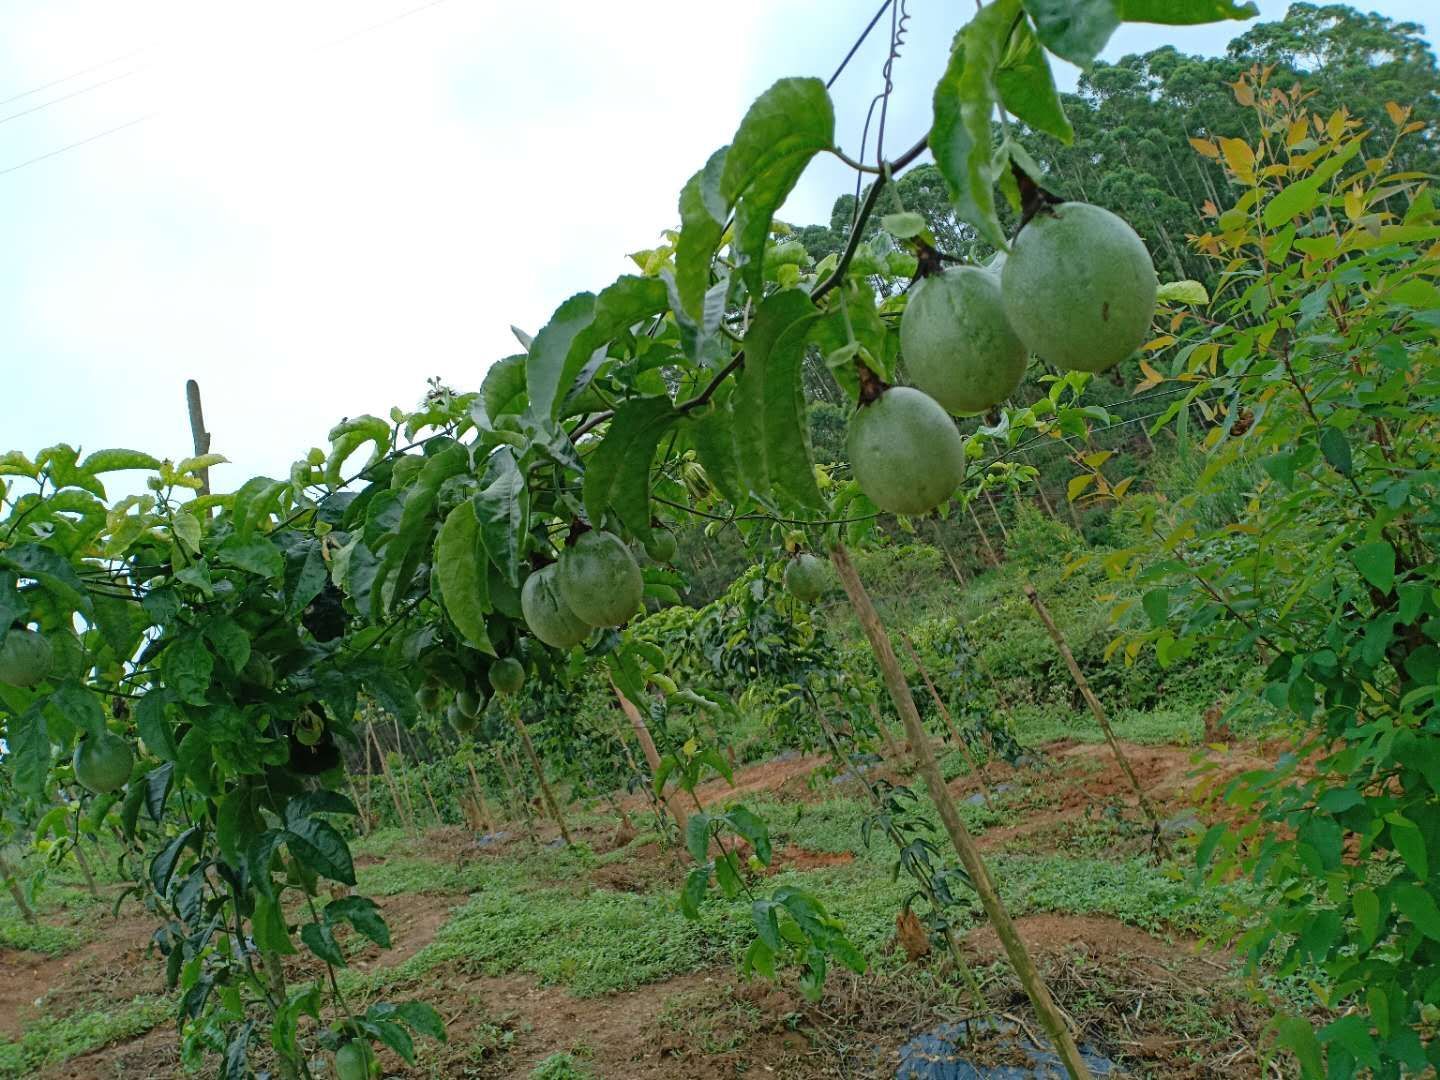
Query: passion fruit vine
[907,455]
[957,343]
[1079,287]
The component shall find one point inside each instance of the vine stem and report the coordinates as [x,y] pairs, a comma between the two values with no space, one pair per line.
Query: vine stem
[1051,1017]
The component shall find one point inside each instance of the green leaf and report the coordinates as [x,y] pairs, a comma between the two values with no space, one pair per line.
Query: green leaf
[52,570]
[703,211]
[785,127]
[1156,603]
[1074,30]
[305,574]
[1295,1034]
[320,848]
[1291,201]
[502,509]
[14,463]
[321,941]
[255,556]
[79,705]
[1366,905]
[232,643]
[103,461]
[753,828]
[267,926]
[396,1038]
[421,1018]
[760,957]
[28,743]
[713,435]
[619,306]
[1376,563]
[546,364]
[362,913]
[186,667]
[904,225]
[411,540]
[697,836]
[964,109]
[1184,12]
[1410,844]
[1418,906]
[503,391]
[693,894]
[255,502]
[235,822]
[162,867]
[460,562]
[771,421]
[1027,87]
[348,436]
[1336,449]
[617,475]
[1182,292]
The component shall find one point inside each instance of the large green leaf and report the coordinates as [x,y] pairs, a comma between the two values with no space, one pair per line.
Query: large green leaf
[256,500]
[544,370]
[771,422]
[618,307]
[964,109]
[1027,88]
[786,126]
[362,913]
[460,570]
[186,666]
[703,211]
[28,743]
[502,393]
[118,460]
[79,705]
[713,434]
[53,571]
[1074,30]
[320,848]
[1184,12]
[411,540]
[255,556]
[617,477]
[267,926]
[502,508]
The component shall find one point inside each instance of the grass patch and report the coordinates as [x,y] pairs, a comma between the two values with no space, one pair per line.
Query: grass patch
[53,1039]
[561,1067]
[16,933]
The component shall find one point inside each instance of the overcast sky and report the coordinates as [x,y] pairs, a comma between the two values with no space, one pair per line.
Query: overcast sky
[326,203]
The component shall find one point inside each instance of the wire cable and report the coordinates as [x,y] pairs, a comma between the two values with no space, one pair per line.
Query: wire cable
[72,75]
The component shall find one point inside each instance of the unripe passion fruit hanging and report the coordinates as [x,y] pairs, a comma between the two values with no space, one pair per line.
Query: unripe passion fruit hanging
[957,344]
[25,657]
[103,762]
[546,613]
[907,456]
[661,546]
[507,675]
[599,579]
[1079,287]
[806,577]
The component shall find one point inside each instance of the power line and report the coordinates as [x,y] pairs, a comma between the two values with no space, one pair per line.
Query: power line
[352,35]
[72,75]
[72,94]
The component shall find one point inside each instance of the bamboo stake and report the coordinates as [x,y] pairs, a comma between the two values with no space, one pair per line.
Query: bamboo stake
[550,803]
[1048,1012]
[652,755]
[1095,708]
[984,537]
[13,883]
[1004,532]
[521,796]
[485,817]
[400,813]
[949,720]
[405,788]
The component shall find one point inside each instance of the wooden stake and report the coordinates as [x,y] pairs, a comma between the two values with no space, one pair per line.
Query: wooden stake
[949,720]
[652,755]
[405,788]
[550,803]
[400,813]
[1095,708]
[199,436]
[984,537]
[1004,532]
[485,819]
[13,883]
[1048,1012]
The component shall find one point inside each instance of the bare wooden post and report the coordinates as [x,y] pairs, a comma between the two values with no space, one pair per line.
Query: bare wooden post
[984,537]
[1095,707]
[1048,1012]
[949,720]
[485,818]
[198,434]
[652,755]
[550,803]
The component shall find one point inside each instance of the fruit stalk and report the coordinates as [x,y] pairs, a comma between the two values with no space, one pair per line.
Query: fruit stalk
[1049,1013]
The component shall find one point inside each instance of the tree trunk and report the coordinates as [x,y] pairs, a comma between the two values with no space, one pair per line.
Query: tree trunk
[652,755]
[550,803]
[1095,707]
[1048,1012]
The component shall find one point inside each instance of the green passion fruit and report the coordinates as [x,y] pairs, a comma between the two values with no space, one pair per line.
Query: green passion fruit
[661,547]
[464,722]
[25,657]
[309,728]
[507,675]
[103,762]
[428,697]
[957,343]
[599,579]
[356,1061]
[1079,287]
[546,613]
[806,577]
[907,455]
[470,702]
